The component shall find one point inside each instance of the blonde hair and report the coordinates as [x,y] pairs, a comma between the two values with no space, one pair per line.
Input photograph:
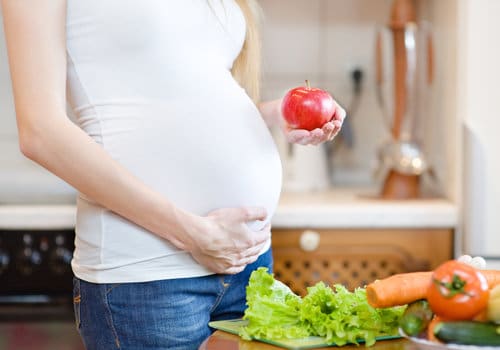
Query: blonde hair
[246,67]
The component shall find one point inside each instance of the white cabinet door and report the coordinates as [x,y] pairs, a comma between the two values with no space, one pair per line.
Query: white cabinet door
[479,103]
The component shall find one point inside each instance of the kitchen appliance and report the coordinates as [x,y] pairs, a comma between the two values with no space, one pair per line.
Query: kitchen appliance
[35,274]
[305,168]
[36,244]
[37,213]
[410,54]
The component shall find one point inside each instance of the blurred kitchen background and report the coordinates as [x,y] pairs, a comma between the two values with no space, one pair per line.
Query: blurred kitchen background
[332,43]
[332,214]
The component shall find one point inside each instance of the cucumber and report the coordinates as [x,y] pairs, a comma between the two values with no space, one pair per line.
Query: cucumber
[468,332]
[416,317]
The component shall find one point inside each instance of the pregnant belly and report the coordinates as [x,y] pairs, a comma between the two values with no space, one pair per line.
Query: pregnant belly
[216,154]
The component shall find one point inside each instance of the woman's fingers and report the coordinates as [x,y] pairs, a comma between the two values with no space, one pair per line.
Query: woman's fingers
[228,264]
[337,121]
[305,137]
[231,243]
[329,129]
[316,136]
[242,214]
[297,135]
[234,263]
[253,213]
[340,113]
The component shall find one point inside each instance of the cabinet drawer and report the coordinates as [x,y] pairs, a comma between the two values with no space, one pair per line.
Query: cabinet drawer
[302,257]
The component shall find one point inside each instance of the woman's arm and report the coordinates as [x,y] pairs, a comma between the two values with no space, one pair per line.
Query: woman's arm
[35,33]
[271,113]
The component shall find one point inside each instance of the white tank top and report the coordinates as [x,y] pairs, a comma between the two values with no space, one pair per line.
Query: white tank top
[150,81]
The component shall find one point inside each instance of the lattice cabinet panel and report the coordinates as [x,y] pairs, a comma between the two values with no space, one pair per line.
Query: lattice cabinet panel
[355,257]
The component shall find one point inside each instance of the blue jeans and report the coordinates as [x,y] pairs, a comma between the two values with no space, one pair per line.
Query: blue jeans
[166,314]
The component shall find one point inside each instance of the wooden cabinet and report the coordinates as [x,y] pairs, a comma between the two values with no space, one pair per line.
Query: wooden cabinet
[355,257]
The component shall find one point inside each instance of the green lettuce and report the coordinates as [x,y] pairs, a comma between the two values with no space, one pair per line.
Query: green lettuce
[336,314]
[273,310]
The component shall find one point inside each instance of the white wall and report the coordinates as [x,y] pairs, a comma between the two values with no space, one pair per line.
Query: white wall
[467,115]
[8,132]
[479,106]
[442,125]
[21,180]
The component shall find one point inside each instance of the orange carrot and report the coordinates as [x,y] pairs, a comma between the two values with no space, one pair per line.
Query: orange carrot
[430,328]
[404,288]
[399,289]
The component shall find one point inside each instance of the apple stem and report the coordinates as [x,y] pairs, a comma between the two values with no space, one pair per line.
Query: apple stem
[308,86]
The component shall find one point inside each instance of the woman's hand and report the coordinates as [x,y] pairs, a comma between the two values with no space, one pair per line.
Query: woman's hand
[224,243]
[271,113]
[317,136]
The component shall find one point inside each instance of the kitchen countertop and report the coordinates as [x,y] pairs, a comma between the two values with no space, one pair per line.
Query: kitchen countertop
[359,208]
[39,216]
[337,208]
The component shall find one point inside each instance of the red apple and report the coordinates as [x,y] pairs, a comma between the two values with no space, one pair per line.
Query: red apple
[307,108]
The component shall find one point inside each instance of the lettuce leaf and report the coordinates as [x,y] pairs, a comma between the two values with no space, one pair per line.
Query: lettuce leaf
[342,317]
[338,315]
[273,310]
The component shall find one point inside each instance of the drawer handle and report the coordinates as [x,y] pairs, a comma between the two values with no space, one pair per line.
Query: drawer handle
[309,240]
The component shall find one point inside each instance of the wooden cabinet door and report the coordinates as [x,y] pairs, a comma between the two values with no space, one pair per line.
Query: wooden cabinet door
[354,258]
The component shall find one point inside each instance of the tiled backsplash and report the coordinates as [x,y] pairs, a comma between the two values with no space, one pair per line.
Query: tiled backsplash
[324,41]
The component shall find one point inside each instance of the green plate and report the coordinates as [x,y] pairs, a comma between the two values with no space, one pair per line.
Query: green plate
[233,326]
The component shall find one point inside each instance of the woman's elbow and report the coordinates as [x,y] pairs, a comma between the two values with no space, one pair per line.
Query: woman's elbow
[29,143]
[35,132]
[33,140]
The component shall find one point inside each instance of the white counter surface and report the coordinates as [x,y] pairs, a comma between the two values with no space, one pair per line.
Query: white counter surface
[361,209]
[38,216]
[331,209]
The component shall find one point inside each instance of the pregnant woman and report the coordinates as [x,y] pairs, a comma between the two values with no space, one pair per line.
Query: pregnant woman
[177,173]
